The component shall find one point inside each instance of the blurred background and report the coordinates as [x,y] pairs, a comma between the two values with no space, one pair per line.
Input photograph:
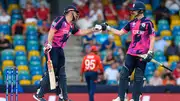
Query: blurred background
[24,26]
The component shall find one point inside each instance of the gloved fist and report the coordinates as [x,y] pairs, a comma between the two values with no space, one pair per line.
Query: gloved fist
[98,27]
[149,56]
[105,27]
[47,48]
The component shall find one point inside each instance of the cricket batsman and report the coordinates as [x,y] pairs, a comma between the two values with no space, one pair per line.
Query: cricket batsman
[91,66]
[143,38]
[61,29]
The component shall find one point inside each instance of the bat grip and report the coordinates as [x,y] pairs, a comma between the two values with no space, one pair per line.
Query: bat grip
[48,55]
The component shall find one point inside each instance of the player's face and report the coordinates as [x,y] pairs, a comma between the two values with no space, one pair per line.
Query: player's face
[75,14]
[134,13]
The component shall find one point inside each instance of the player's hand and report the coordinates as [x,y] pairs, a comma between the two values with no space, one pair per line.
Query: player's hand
[81,79]
[97,28]
[47,48]
[105,27]
[149,56]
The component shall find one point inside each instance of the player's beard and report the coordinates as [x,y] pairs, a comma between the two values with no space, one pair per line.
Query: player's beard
[75,17]
[135,14]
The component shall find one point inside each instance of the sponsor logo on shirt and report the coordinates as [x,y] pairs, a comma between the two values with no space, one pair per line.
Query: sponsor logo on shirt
[138,32]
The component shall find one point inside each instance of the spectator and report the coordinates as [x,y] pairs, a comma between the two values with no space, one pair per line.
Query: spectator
[109,59]
[172,49]
[86,22]
[87,47]
[29,11]
[88,39]
[119,53]
[83,15]
[112,74]
[83,9]
[123,13]
[1,9]
[39,2]
[176,72]
[172,5]
[43,30]
[168,79]
[156,80]
[22,3]
[4,43]
[101,79]
[99,20]
[4,18]
[94,12]
[96,3]
[109,12]
[162,13]
[160,44]
[43,13]
[19,28]
[108,44]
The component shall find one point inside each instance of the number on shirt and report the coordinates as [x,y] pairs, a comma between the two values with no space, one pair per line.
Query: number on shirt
[89,64]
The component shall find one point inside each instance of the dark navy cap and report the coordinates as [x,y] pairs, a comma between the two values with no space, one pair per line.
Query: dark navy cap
[138,5]
[69,8]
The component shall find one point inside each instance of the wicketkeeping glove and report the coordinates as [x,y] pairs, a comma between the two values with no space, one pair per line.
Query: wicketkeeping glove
[149,56]
[47,48]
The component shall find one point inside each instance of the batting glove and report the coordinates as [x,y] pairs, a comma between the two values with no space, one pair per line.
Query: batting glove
[105,27]
[149,56]
[98,27]
[47,48]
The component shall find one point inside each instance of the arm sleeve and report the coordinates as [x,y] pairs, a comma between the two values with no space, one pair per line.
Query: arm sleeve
[126,28]
[75,29]
[100,64]
[151,30]
[57,23]
[82,66]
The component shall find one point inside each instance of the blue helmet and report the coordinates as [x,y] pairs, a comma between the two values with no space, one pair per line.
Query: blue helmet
[138,5]
[70,8]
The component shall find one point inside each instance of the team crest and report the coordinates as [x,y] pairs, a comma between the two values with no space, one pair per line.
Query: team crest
[133,24]
[143,24]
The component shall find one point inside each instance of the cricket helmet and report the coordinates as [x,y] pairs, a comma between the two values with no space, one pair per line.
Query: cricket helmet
[70,8]
[138,5]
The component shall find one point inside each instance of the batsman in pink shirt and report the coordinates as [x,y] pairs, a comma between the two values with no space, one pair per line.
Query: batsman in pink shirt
[143,37]
[61,29]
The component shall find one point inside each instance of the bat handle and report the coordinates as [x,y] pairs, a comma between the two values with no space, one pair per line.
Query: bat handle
[48,55]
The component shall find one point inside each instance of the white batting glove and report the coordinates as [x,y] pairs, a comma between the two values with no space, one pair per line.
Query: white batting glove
[47,48]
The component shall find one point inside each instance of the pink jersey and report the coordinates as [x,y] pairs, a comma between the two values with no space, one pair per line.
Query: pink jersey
[64,31]
[141,31]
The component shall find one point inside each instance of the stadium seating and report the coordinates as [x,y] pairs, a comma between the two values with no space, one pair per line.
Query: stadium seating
[25,82]
[22,68]
[20,48]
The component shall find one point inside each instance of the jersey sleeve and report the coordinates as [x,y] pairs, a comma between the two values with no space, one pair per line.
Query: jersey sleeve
[100,64]
[57,23]
[151,30]
[75,29]
[82,66]
[126,28]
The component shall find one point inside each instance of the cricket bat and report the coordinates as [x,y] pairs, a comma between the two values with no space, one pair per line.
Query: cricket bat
[156,62]
[52,78]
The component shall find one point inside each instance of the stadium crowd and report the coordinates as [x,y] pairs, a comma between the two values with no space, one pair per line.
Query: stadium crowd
[24,26]
[23,23]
